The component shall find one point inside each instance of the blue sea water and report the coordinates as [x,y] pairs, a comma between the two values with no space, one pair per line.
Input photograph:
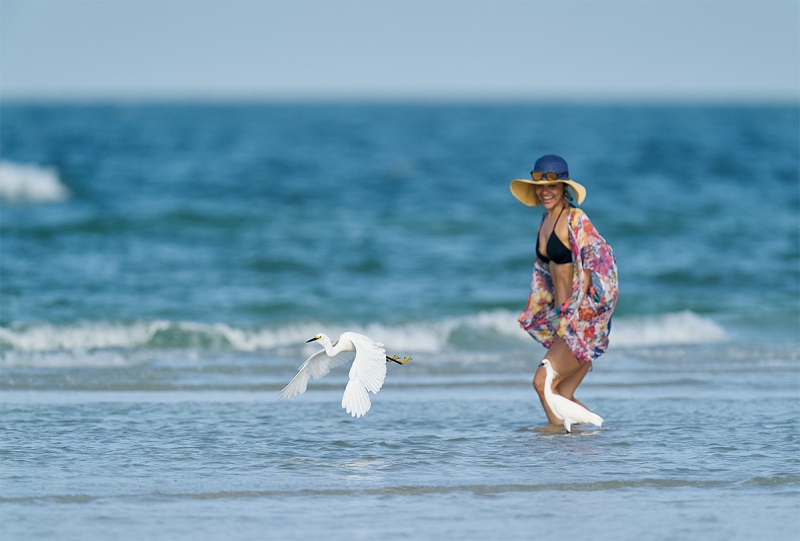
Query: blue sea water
[161,266]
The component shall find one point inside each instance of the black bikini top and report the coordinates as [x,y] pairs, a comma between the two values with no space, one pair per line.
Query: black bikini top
[559,253]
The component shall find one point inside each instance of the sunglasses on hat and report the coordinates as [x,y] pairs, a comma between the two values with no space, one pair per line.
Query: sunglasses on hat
[539,175]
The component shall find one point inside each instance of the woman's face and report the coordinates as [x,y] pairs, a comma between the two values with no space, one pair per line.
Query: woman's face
[551,195]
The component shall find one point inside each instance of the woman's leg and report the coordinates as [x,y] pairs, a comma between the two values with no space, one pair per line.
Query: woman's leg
[566,387]
[569,374]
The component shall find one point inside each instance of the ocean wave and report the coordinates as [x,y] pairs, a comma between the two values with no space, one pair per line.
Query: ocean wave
[679,328]
[23,183]
[484,331]
[94,335]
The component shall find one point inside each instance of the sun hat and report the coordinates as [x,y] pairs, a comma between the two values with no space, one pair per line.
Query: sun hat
[556,166]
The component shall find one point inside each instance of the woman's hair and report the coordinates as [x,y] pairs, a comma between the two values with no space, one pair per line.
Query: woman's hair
[568,194]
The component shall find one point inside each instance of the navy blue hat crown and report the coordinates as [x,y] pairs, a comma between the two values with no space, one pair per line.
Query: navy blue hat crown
[551,163]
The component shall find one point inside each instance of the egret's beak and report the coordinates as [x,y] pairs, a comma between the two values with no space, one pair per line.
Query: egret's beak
[541,364]
[312,339]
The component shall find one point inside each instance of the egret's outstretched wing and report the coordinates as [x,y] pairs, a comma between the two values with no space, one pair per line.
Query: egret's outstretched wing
[316,366]
[367,374]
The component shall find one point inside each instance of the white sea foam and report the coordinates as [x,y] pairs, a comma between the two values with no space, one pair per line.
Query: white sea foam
[485,331]
[666,329]
[21,183]
[39,337]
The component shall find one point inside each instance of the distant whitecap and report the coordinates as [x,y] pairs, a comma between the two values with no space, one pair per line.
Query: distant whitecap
[22,183]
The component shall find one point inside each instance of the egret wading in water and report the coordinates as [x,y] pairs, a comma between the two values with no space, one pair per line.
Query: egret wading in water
[569,412]
[367,373]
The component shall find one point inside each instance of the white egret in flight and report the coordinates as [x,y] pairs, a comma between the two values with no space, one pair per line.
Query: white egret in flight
[366,374]
[565,409]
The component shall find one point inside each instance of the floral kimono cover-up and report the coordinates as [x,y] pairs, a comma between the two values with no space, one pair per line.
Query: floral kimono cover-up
[583,321]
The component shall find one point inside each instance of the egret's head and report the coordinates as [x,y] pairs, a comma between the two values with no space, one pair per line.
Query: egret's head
[545,362]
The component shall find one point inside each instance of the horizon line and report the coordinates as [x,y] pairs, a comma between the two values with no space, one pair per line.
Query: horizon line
[415,98]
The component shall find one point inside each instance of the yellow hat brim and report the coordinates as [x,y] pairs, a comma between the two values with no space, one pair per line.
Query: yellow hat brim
[525,190]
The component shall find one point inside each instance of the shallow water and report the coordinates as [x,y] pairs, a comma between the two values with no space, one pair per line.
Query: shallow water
[697,443]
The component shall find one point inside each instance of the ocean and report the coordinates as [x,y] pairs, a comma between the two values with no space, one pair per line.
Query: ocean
[163,264]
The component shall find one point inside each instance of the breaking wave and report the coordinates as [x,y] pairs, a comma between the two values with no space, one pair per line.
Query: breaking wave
[667,329]
[482,331]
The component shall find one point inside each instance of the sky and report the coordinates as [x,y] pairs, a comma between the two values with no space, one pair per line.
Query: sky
[400,49]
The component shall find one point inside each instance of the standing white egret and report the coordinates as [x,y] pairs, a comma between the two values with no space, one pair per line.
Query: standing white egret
[366,374]
[565,409]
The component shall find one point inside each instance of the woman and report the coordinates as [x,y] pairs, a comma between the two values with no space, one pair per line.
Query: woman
[574,284]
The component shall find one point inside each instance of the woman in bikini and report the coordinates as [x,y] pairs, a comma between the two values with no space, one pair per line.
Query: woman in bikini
[574,285]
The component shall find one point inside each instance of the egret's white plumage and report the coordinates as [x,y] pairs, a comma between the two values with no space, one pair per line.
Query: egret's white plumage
[366,375]
[569,412]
